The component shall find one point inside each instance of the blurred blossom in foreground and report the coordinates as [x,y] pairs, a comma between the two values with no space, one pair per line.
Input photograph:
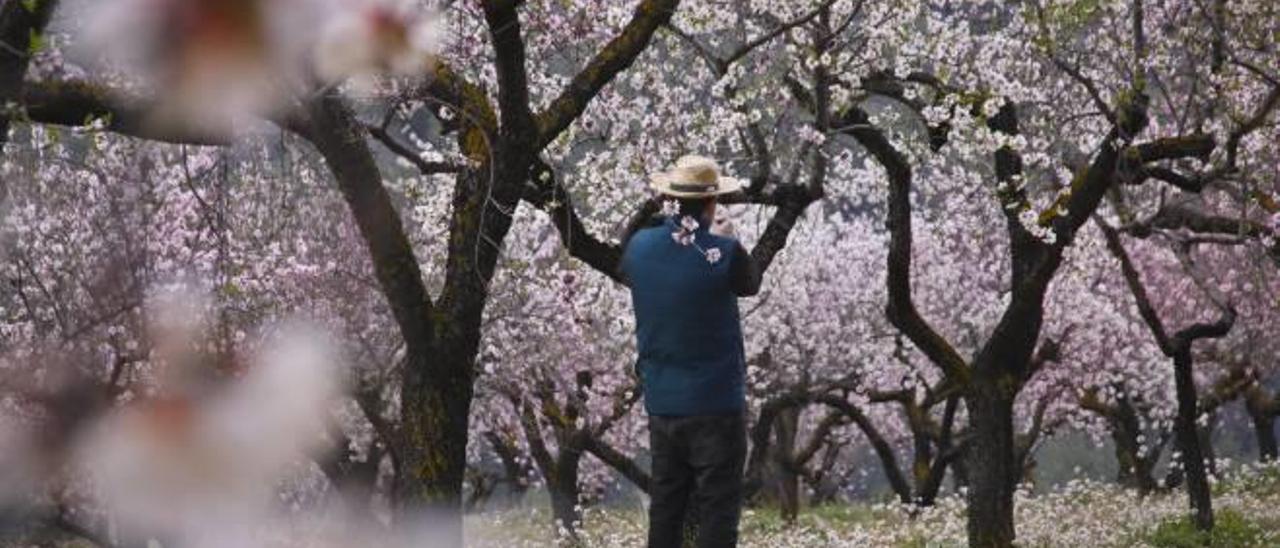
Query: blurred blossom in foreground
[209,63]
[219,64]
[203,453]
[201,468]
[19,475]
[175,329]
[377,38]
[44,411]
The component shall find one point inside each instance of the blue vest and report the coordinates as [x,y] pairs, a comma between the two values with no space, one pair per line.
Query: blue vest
[688,332]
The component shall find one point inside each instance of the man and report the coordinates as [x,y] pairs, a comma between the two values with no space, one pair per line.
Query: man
[685,277]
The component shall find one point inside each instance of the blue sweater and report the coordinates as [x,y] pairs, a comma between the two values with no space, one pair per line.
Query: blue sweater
[688,331]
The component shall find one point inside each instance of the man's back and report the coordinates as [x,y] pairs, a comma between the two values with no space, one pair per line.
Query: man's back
[688,330]
[685,282]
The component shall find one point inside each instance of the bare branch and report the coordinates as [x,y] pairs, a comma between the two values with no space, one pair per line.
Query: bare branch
[1139,291]
[618,461]
[339,138]
[615,57]
[78,103]
[404,151]
[20,23]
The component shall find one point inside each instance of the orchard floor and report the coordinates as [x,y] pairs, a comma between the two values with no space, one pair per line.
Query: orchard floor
[1081,513]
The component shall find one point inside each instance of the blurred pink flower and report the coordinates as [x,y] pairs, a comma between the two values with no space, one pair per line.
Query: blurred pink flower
[217,64]
[374,39]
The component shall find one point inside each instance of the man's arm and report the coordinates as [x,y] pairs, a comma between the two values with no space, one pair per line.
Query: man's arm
[744,274]
[639,221]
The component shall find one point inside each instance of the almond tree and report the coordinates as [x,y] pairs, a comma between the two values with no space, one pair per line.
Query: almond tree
[571,408]
[991,126]
[100,227]
[1177,346]
[497,138]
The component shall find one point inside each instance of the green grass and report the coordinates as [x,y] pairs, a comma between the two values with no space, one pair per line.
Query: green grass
[1231,530]
[1260,482]
[1247,504]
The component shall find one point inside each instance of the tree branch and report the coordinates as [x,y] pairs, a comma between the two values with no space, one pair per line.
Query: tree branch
[720,65]
[1197,146]
[339,138]
[901,310]
[615,57]
[1139,291]
[76,103]
[888,459]
[1175,217]
[404,151]
[544,191]
[620,462]
[533,435]
[20,23]
[509,63]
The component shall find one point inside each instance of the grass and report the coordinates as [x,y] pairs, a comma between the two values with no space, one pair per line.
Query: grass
[1231,530]
[1079,513]
[1262,481]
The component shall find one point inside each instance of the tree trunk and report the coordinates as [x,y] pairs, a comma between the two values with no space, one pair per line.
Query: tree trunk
[514,472]
[20,24]
[1205,436]
[960,473]
[439,383]
[1136,469]
[945,458]
[992,466]
[928,494]
[1259,405]
[1264,428]
[922,461]
[824,488]
[436,385]
[353,482]
[432,458]
[1197,480]
[564,494]
[1135,472]
[788,481]
[1028,471]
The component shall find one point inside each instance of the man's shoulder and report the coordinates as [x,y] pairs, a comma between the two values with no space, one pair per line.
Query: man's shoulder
[723,242]
[649,231]
[642,243]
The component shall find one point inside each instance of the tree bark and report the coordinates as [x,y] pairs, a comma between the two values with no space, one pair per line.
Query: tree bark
[1261,407]
[432,447]
[1264,428]
[1192,457]
[786,478]
[563,485]
[515,473]
[428,451]
[621,463]
[960,474]
[1204,436]
[1136,465]
[1178,347]
[947,458]
[992,466]
[20,23]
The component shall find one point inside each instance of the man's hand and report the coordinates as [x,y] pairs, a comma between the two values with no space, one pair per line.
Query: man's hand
[722,226]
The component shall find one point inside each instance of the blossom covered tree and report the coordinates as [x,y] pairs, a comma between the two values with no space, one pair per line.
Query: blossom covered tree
[453,207]
[1115,108]
[497,138]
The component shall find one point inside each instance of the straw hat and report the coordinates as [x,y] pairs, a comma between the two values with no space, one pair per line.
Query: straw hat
[694,177]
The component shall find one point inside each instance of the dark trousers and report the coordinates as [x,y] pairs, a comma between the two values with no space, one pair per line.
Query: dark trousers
[697,469]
